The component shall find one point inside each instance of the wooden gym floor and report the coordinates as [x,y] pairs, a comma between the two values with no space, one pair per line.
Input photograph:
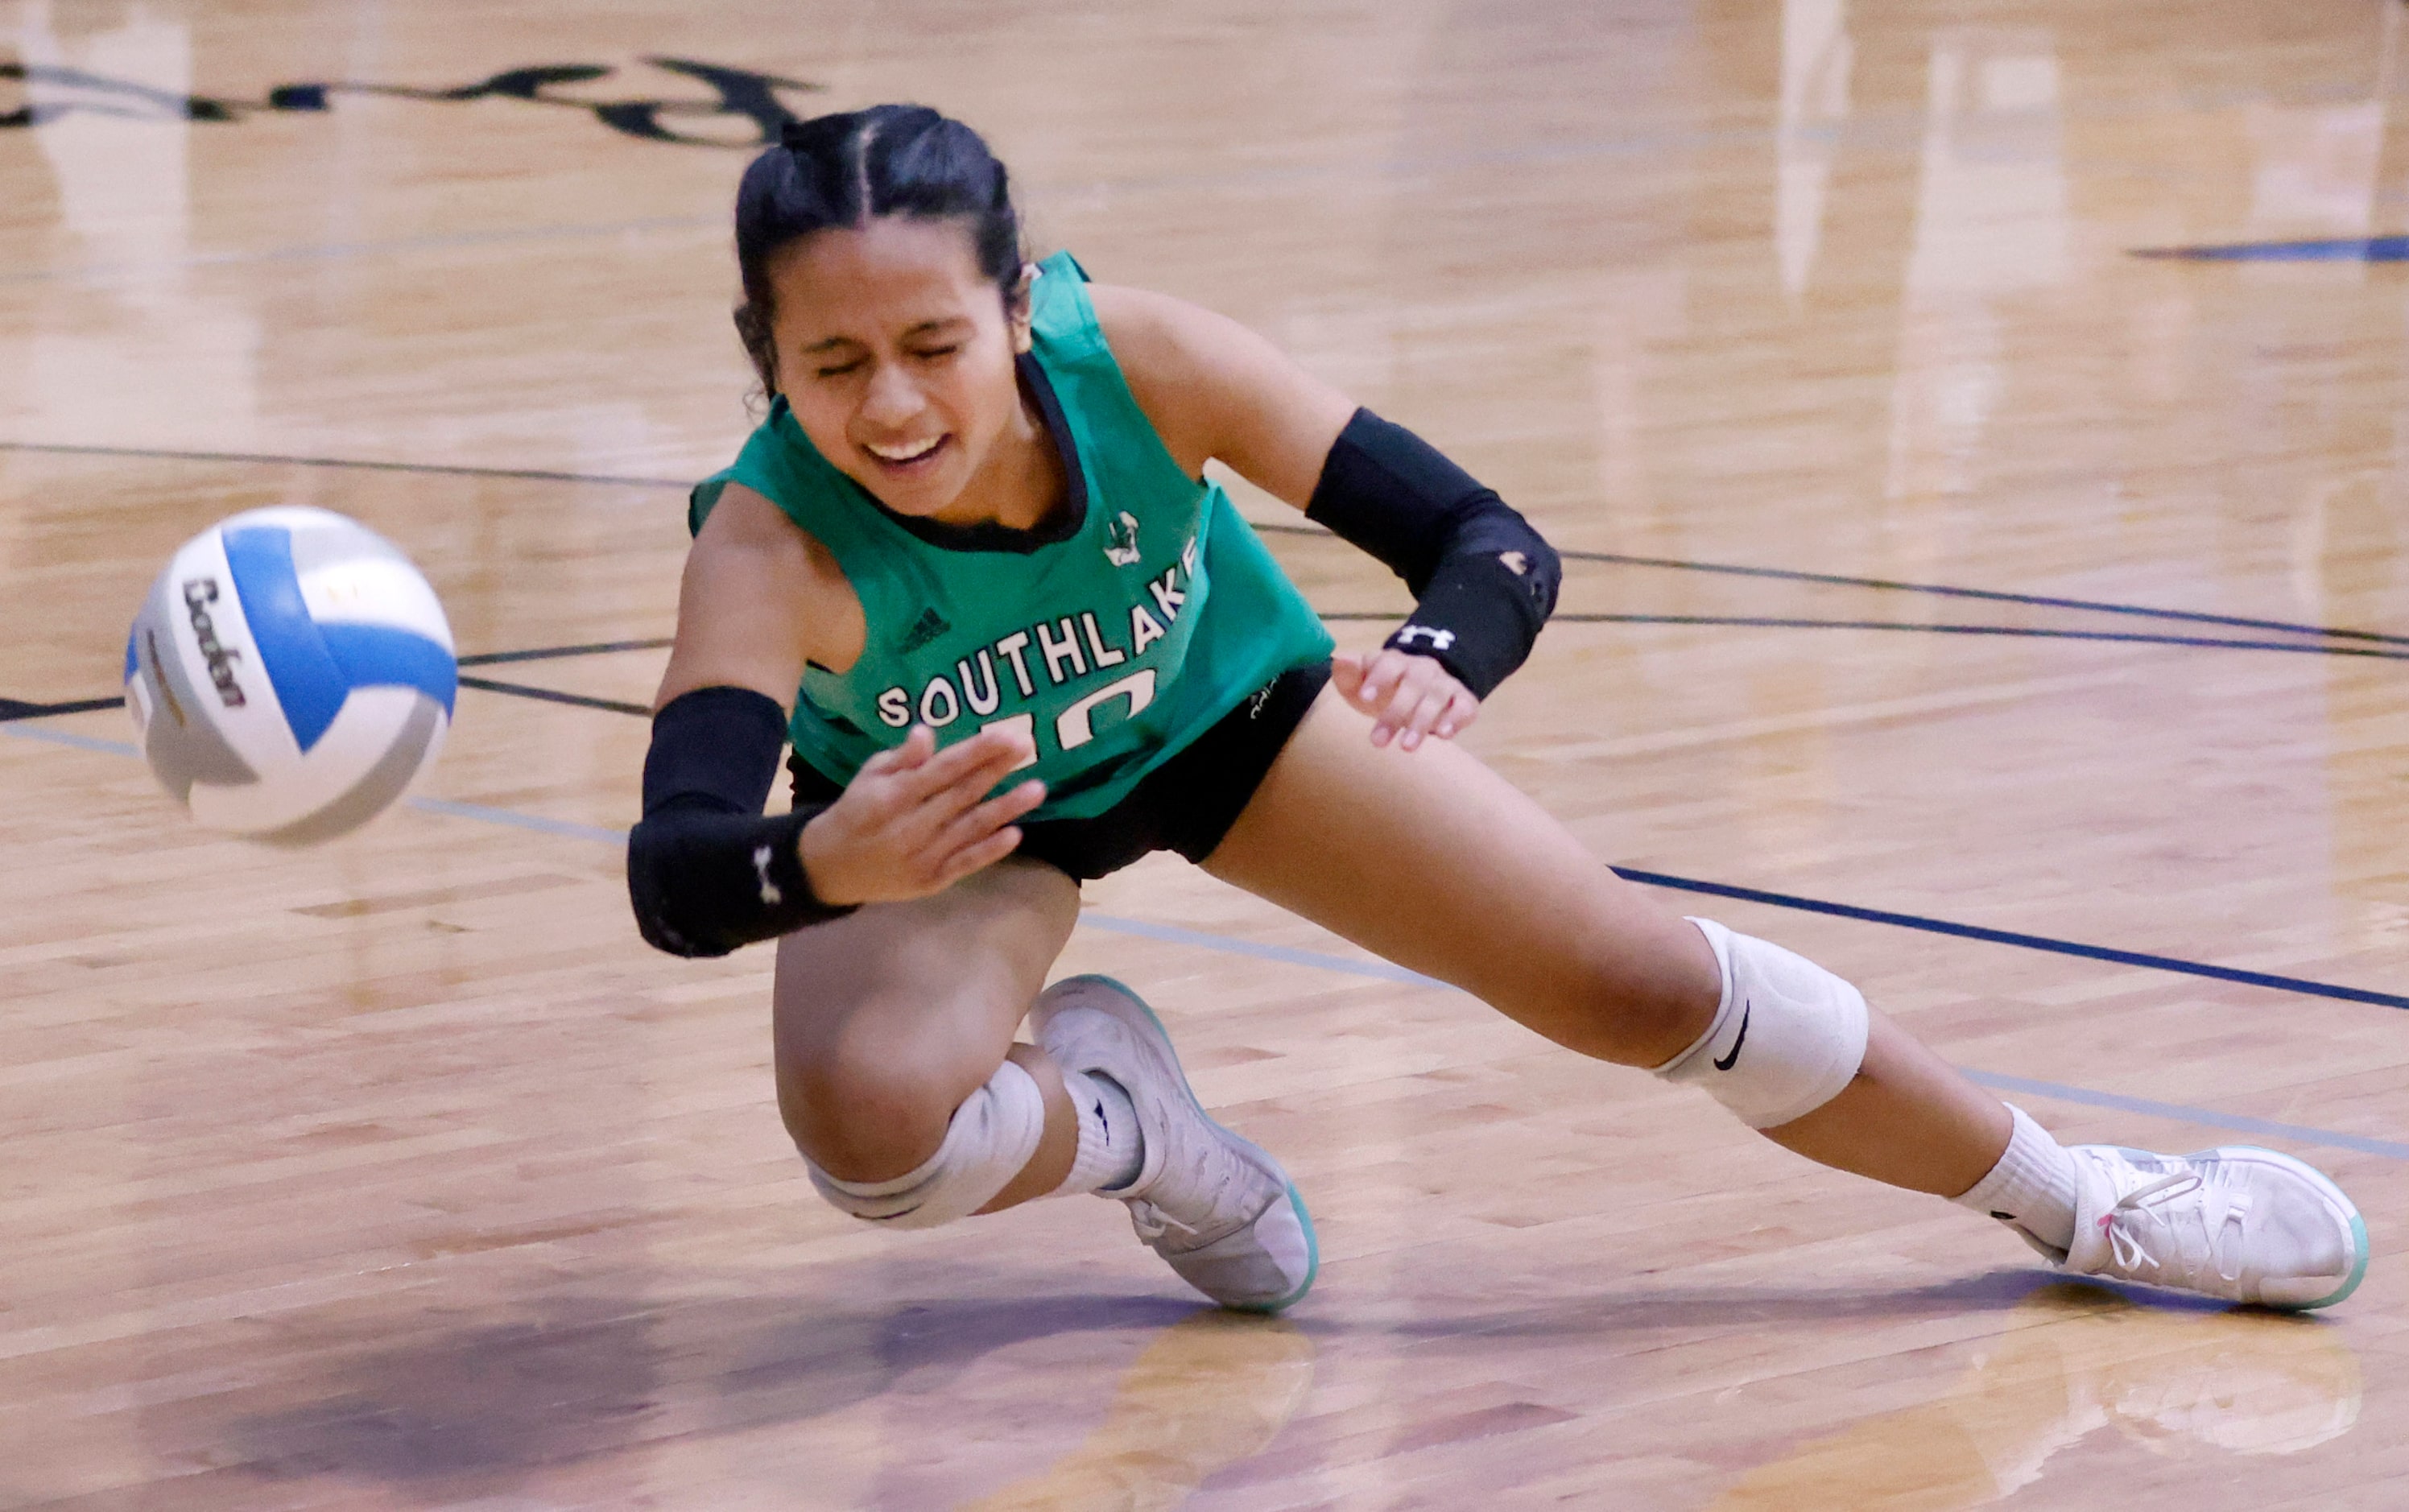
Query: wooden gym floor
[400,1175]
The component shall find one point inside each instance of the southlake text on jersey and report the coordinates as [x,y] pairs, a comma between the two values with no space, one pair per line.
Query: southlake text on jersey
[1072,648]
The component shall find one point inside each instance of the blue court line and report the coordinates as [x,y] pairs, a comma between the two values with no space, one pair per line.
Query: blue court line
[2185,1113]
[1383,970]
[2178,1111]
[2325,250]
[67,737]
[2009,937]
[1175,934]
[1286,955]
[566,829]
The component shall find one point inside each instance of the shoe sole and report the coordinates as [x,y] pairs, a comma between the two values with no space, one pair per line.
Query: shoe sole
[1295,1197]
[2315,1177]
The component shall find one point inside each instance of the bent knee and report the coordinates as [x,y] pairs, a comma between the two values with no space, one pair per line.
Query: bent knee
[864,1111]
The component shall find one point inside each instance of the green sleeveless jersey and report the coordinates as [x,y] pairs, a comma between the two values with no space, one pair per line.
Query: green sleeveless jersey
[1112,641]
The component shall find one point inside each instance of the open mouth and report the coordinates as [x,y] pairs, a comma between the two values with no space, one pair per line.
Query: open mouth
[910,456]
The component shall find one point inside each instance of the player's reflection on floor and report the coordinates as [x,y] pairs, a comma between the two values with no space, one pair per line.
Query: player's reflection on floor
[2177,1382]
[1214,1389]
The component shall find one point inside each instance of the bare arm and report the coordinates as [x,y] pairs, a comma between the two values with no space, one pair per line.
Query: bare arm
[758,599]
[1215,389]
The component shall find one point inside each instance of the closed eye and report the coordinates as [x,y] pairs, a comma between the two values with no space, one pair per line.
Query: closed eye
[840,369]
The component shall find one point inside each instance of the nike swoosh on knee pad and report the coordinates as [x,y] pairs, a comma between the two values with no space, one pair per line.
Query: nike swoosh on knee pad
[1726,1062]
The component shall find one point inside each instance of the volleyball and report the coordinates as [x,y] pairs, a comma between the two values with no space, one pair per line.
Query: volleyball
[290,675]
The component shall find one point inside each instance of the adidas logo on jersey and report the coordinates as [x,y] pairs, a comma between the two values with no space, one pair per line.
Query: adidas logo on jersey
[930,626]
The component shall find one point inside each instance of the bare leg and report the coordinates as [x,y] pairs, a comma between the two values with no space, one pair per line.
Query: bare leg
[886,1019]
[1910,1118]
[1434,861]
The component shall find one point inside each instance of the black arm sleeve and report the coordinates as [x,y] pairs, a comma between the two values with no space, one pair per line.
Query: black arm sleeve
[707,869]
[1486,579]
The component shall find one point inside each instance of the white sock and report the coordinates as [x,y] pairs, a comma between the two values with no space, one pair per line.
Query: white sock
[2032,1187]
[1111,1150]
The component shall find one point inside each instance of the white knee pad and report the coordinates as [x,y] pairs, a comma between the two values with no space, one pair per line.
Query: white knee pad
[1786,1039]
[992,1137]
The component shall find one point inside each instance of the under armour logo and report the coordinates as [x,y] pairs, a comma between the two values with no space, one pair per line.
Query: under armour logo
[1438,640]
[770,893]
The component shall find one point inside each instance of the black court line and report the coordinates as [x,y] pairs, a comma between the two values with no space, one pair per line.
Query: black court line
[522,690]
[1941,589]
[16,708]
[1609,558]
[597,648]
[2010,937]
[12,709]
[349,464]
[1758,622]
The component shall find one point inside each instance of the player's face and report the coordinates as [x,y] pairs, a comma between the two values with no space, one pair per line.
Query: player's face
[896,355]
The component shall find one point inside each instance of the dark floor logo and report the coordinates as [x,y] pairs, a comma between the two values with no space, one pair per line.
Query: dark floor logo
[744,108]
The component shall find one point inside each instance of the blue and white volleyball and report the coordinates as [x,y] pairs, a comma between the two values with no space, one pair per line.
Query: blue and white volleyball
[291,675]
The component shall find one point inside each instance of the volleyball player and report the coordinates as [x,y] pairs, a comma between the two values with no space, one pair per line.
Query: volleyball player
[968,566]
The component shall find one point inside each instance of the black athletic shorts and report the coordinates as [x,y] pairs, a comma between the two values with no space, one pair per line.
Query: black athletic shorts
[1186,805]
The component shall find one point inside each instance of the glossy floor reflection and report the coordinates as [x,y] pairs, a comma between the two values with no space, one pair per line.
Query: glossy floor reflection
[1213,1390]
[2175,1381]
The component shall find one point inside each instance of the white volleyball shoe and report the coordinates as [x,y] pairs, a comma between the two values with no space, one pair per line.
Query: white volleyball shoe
[2237,1223]
[1217,1207]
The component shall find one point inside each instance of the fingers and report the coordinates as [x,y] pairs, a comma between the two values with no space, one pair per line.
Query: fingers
[985,854]
[990,752]
[1381,675]
[917,818]
[1409,698]
[1426,716]
[1346,671]
[916,748]
[978,825]
[1460,712]
[1414,687]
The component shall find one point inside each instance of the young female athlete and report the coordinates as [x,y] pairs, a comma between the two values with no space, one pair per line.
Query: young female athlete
[1025,642]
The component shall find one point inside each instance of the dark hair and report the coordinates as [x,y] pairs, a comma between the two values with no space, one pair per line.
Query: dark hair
[842,169]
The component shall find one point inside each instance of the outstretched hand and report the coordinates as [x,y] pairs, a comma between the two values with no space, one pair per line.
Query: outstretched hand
[1407,697]
[915,820]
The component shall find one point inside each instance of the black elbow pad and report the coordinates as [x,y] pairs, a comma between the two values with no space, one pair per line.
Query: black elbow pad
[703,883]
[1486,581]
[707,869]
